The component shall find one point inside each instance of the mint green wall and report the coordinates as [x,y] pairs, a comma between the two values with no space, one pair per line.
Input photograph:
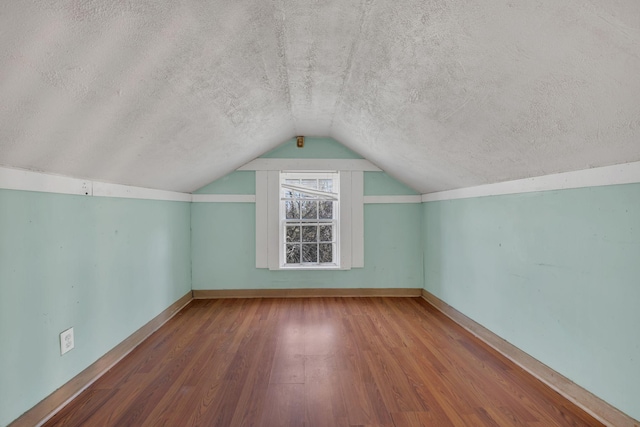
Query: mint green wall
[381,184]
[105,266]
[223,235]
[238,182]
[244,182]
[375,183]
[223,251]
[555,273]
[314,148]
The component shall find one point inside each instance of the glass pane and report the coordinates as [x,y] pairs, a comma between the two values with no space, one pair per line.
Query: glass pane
[293,233]
[309,209]
[326,252]
[326,233]
[310,253]
[292,209]
[310,183]
[325,185]
[291,193]
[292,255]
[309,233]
[325,210]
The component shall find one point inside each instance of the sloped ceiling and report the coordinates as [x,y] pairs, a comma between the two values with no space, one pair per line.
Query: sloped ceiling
[441,94]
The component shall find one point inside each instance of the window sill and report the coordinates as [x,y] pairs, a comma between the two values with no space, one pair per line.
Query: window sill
[310,267]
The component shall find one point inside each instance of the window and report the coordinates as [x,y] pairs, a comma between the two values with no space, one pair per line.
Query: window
[309,212]
[347,234]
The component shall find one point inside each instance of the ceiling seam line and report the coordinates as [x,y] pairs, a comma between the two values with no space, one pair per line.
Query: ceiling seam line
[282,45]
[365,9]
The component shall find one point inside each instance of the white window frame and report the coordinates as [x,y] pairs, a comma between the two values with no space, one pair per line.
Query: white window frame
[351,216]
[335,221]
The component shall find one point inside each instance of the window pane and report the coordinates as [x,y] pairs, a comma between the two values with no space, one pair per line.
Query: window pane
[292,255]
[309,209]
[309,221]
[310,253]
[326,252]
[293,233]
[326,233]
[325,185]
[325,210]
[292,209]
[286,192]
[309,233]
[291,193]
[310,183]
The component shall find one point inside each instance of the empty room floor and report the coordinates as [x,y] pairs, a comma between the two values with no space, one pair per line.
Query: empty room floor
[316,362]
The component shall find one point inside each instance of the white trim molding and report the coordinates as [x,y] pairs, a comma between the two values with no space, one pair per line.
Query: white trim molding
[273,219]
[262,223]
[345,220]
[18,179]
[392,199]
[24,180]
[357,219]
[261,164]
[103,189]
[626,173]
[223,198]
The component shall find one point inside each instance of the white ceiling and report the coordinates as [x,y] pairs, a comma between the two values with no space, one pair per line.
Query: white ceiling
[441,94]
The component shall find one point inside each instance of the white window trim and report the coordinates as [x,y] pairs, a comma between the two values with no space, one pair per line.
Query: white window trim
[346,220]
[268,217]
[262,164]
[357,219]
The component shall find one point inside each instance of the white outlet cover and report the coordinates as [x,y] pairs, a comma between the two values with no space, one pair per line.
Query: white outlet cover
[66,341]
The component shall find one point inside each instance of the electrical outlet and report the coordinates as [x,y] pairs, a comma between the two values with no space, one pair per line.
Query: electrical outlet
[66,341]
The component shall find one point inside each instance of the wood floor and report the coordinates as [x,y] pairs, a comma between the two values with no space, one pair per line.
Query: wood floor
[316,362]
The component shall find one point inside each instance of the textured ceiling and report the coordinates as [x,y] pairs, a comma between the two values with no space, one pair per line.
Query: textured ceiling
[441,94]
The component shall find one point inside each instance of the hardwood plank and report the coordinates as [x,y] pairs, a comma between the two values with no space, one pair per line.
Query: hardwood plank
[363,405]
[83,406]
[317,362]
[392,383]
[180,397]
[288,368]
[324,401]
[254,390]
[284,406]
[415,419]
